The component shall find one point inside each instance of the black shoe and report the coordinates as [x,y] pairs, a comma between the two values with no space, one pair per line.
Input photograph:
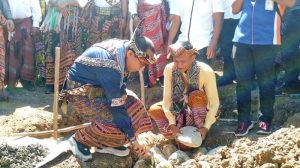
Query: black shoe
[80,150]
[49,89]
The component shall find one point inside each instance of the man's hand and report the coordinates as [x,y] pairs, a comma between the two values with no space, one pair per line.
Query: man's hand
[10,25]
[203,131]
[140,149]
[211,51]
[175,130]
[34,30]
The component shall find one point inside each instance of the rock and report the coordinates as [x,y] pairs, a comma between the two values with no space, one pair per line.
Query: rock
[108,161]
[293,120]
[269,165]
[215,150]
[168,149]
[157,156]
[178,157]
[204,164]
[164,164]
[192,163]
[142,164]
[264,156]
[198,152]
[225,163]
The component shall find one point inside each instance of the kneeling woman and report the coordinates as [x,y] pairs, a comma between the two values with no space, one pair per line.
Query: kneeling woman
[190,96]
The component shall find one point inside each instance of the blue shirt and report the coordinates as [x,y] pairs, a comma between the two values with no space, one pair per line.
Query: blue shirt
[258,26]
[104,67]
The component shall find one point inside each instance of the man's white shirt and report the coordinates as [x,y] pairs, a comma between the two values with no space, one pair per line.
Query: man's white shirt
[22,9]
[201,30]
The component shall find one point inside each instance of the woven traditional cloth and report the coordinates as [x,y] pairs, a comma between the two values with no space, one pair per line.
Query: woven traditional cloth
[154,27]
[103,132]
[72,42]
[2,58]
[39,44]
[95,23]
[178,86]
[197,103]
[21,56]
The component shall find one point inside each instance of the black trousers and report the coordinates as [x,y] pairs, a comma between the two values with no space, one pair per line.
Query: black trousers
[290,47]
[259,61]
[226,45]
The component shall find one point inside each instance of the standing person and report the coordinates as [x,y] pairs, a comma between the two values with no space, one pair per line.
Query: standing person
[230,22]
[154,27]
[95,82]
[5,19]
[84,23]
[201,24]
[21,63]
[190,95]
[257,38]
[290,50]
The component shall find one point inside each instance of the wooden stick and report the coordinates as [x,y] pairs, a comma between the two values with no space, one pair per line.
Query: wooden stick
[141,74]
[56,86]
[49,132]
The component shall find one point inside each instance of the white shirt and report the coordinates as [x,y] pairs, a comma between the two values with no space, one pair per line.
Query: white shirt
[228,11]
[132,7]
[22,9]
[201,30]
[98,3]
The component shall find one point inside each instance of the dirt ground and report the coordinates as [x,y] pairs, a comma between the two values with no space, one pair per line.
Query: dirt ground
[32,111]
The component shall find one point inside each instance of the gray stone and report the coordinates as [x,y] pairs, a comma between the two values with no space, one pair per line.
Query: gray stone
[178,157]
[168,149]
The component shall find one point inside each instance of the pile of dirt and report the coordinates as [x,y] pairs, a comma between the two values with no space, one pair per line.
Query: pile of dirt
[281,149]
[21,156]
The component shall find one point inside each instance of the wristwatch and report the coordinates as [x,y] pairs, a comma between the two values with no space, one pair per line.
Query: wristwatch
[133,16]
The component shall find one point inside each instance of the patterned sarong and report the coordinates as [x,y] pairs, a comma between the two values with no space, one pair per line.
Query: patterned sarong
[91,102]
[154,27]
[72,42]
[94,25]
[196,116]
[21,56]
[2,58]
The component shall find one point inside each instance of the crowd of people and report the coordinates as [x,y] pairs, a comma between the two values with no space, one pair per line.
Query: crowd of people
[173,41]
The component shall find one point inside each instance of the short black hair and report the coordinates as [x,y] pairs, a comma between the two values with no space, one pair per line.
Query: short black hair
[143,43]
[187,45]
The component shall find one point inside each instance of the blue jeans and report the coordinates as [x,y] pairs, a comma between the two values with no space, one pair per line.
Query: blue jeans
[251,61]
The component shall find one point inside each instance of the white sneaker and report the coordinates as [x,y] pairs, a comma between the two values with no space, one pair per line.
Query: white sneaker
[80,150]
[117,151]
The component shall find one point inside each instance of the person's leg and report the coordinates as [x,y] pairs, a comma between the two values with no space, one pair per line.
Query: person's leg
[157,114]
[264,60]
[243,60]
[198,105]
[290,47]
[226,51]
[27,73]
